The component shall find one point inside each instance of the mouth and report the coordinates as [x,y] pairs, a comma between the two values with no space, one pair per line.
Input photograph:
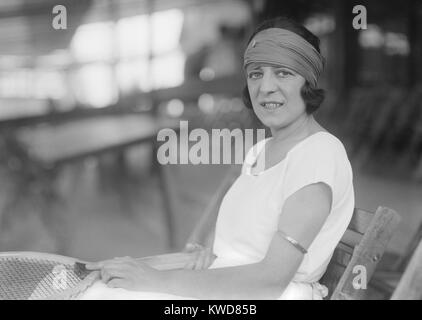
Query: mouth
[272,105]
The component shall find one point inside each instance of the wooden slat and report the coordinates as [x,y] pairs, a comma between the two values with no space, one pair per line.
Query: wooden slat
[336,267]
[345,249]
[341,257]
[410,285]
[367,253]
[360,220]
[332,276]
[351,238]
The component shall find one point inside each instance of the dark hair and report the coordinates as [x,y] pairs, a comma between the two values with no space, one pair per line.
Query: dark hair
[313,97]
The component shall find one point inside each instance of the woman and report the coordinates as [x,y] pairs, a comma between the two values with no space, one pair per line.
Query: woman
[280,222]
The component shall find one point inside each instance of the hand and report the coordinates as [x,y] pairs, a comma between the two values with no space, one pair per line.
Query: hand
[204,257]
[128,273]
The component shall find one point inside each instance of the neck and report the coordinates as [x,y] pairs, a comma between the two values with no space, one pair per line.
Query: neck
[297,129]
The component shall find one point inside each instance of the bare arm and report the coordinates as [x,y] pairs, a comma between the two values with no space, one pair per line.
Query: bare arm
[302,218]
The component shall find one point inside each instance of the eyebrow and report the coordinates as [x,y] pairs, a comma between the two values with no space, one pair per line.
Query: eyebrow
[255,66]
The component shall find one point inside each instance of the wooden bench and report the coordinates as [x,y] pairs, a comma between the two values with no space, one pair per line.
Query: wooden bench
[360,250]
[362,245]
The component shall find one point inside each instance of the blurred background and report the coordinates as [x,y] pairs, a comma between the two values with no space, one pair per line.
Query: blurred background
[80,108]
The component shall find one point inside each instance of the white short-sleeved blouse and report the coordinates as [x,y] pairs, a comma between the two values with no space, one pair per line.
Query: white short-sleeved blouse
[249,213]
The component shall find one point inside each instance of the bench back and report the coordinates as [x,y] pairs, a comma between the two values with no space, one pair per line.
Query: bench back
[356,256]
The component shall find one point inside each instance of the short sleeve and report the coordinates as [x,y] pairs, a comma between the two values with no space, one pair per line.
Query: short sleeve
[320,160]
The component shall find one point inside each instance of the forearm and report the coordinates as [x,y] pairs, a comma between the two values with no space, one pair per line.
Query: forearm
[253,281]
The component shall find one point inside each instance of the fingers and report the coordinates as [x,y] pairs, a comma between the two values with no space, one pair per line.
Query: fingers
[105,276]
[191,264]
[124,272]
[125,258]
[197,262]
[94,265]
[101,264]
[118,267]
[208,260]
[193,247]
[118,283]
[202,260]
[108,273]
[190,247]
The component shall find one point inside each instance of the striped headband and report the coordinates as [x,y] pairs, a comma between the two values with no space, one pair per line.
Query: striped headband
[283,47]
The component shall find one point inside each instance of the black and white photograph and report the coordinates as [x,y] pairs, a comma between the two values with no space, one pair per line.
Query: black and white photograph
[222,150]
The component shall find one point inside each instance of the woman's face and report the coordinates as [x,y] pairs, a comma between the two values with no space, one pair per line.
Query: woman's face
[275,94]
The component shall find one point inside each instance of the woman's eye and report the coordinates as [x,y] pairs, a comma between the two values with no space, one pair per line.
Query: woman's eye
[254,75]
[284,73]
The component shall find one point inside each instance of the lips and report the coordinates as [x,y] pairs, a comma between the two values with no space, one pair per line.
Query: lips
[271,105]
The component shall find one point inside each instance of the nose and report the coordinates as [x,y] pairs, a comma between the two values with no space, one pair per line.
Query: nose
[268,83]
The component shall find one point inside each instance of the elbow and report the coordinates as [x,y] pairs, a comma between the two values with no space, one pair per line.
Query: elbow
[272,290]
[276,273]
[274,280]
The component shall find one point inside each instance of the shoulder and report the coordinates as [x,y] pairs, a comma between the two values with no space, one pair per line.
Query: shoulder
[321,145]
[321,154]
[319,158]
